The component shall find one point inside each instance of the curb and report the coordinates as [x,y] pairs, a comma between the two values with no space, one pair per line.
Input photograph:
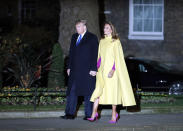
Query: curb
[56,114]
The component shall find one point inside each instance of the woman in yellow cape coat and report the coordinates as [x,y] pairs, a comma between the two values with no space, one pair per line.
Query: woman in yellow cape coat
[113,87]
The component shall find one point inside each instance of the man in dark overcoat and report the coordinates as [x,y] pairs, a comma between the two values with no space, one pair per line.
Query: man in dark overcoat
[82,67]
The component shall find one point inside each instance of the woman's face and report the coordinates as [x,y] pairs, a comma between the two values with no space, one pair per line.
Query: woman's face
[107,30]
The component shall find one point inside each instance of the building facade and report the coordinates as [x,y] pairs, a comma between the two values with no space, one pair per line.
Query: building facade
[151,29]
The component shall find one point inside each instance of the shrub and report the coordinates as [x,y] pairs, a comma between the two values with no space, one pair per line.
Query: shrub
[25,67]
[25,96]
[1,81]
[56,71]
[25,51]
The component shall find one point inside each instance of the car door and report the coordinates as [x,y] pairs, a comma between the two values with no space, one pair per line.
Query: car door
[132,66]
[147,77]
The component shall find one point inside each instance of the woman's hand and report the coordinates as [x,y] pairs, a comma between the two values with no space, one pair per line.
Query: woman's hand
[111,73]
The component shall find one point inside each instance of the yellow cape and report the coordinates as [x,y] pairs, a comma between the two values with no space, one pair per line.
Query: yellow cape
[116,90]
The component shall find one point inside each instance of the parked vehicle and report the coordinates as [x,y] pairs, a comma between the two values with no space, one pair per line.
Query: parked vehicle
[148,75]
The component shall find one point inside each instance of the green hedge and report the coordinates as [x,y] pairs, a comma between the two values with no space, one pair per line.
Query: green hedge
[1,81]
[44,96]
[22,96]
[160,99]
[41,100]
[56,73]
[26,96]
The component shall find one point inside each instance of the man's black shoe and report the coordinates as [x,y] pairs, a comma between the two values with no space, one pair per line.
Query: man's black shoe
[85,118]
[67,117]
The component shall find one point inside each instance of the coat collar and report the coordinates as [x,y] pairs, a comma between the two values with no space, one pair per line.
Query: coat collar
[83,35]
[83,38]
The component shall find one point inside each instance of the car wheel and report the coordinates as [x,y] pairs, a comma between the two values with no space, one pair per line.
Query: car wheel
[176,88]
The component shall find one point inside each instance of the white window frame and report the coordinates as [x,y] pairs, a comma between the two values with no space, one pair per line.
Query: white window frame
[144,35]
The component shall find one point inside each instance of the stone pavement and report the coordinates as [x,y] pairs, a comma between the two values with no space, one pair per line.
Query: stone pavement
[127,122]
[146,119]
[54,114]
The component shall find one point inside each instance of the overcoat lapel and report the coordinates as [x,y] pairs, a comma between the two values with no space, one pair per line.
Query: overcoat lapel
[82,40]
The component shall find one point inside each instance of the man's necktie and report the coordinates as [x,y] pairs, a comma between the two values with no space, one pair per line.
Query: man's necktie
[79,39]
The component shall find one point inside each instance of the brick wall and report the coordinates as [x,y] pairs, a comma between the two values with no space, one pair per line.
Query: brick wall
[169,50]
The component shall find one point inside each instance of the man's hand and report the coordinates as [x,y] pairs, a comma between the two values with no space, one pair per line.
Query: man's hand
[111,74]
[93,73]
[68,72]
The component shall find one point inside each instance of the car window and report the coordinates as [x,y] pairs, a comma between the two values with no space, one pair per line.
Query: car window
[159,66]
[142,68]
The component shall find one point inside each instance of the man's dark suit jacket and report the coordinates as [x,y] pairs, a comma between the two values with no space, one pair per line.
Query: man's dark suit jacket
[83,59]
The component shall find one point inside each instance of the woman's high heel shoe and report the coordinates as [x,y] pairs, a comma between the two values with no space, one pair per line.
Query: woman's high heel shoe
[93,119]
[114,121]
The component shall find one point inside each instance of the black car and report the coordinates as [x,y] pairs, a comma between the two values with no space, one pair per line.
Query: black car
[148,75]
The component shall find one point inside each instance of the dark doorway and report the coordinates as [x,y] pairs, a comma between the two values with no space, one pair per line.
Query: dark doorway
[102,17]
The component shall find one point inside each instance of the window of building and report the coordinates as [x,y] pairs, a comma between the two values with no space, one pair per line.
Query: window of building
[146,19]
[27,9]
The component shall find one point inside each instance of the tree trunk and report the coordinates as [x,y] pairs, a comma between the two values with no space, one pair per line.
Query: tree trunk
[70,11]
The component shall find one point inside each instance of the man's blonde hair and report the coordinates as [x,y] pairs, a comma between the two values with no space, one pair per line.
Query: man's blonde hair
[80,21]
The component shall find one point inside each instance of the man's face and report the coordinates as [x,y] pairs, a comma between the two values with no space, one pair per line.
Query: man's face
[80,28]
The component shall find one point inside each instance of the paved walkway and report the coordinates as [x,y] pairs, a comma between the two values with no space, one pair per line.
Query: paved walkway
[149,119]
[104,112]
[127,122]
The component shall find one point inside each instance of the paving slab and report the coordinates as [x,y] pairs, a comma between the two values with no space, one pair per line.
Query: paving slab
[127,122]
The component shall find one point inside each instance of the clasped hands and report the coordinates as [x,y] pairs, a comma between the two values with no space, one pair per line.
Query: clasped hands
[93,73]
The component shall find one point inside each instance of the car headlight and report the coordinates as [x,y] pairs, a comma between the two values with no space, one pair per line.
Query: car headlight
[176,88]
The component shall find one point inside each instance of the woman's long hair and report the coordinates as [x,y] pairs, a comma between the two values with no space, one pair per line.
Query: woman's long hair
[114,33]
